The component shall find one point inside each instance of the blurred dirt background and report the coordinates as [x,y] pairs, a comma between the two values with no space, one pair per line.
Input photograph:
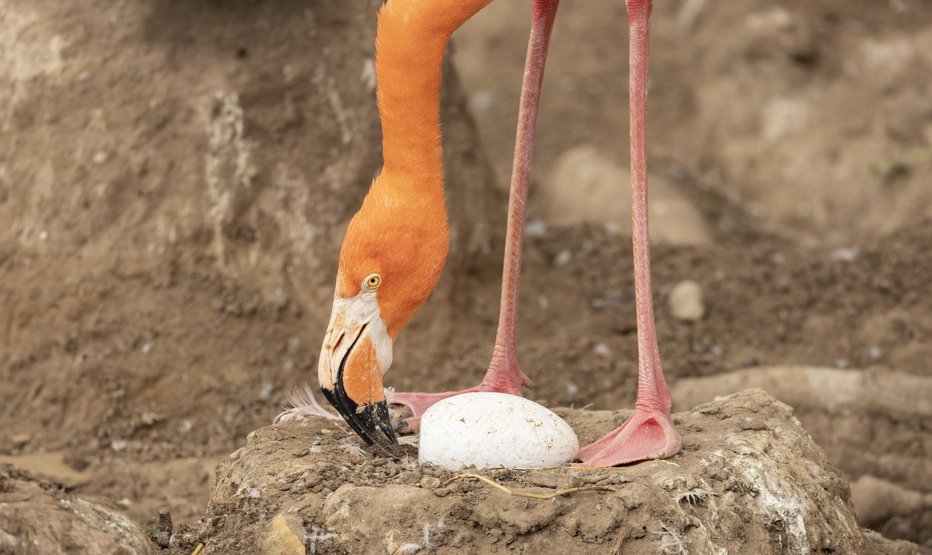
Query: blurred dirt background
[175,177]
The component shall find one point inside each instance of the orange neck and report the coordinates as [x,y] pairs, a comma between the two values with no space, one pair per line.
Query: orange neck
[412,38]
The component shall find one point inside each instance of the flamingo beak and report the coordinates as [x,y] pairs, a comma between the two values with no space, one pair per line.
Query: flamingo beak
[356,352]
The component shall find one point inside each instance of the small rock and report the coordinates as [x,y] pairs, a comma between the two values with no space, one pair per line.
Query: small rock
[877,501]
[165,529]
[846,254]
[602,350]
[148,419]
[588,186]
[20,440]
[39,517]
[783,117]
[686,301]
[535,228]
[481,101]
[285,536]
[429,482]
[563,258]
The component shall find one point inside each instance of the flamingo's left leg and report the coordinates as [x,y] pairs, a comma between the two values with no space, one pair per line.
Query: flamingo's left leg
[504,374]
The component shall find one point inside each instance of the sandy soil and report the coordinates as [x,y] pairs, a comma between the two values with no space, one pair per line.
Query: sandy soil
[176,176]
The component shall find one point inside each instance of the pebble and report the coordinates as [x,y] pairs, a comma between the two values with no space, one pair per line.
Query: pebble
[165,528]
[285,535]
[587,185]
[266,391]
[602,350]
[846,254]
[686,301]
[429,482]
[20,440]
[563,258]
[536,229]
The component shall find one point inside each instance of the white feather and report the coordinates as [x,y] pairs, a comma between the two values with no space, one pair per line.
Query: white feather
[304,405]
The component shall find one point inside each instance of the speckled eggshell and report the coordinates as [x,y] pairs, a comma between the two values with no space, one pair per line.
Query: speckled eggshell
[494,430]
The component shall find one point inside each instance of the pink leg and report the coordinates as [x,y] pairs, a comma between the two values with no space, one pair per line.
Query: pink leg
[649,432]
[504,374]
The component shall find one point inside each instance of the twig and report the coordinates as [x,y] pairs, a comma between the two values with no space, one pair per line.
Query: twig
[615,547]
[198,549]
[545,496]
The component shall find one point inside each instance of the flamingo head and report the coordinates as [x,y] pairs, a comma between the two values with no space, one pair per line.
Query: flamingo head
[390,262]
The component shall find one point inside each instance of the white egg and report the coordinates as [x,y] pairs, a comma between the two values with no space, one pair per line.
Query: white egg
[489,430]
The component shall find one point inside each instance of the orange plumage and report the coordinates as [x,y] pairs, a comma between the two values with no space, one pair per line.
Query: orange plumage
[396,245]
[401,230]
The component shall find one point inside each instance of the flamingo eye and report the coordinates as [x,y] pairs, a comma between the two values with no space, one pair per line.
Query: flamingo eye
[373,281]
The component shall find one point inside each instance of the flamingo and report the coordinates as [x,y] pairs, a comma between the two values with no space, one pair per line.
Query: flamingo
[396,244]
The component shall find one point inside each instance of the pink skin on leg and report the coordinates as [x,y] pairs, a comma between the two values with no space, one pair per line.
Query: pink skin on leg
[649,432]
[504,374]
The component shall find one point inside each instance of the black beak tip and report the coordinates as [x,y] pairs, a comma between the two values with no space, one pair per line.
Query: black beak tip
[370,421]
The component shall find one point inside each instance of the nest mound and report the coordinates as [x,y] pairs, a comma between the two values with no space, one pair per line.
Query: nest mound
[40,517]
[749,480]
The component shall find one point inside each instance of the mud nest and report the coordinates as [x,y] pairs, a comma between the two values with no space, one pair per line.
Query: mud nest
[749,480]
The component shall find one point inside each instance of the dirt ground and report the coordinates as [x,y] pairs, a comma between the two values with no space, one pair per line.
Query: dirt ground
[144,334]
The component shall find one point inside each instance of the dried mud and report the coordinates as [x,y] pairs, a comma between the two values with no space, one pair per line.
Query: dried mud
[749,480]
